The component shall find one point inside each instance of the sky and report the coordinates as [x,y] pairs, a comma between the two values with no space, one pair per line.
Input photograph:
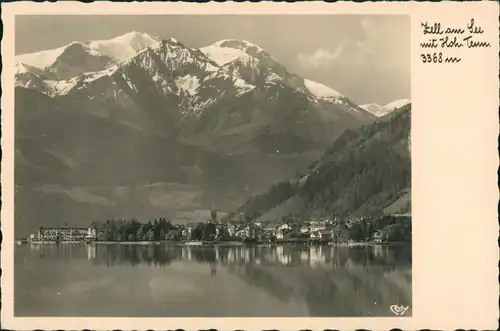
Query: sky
[364,57]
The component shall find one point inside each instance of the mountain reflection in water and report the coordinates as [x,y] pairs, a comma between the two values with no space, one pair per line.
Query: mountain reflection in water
[134,280]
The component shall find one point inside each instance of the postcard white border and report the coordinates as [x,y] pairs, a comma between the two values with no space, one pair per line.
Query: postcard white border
[454,163]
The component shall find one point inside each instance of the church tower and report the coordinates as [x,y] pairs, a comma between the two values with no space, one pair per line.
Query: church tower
[213,214]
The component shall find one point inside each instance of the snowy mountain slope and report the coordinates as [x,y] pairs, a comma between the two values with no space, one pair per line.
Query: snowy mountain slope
[381,111]
[255,65]
[33,78]
[375,109]
[397,104]
[123,47]
[42,59]
[225,55]
[185,78]
[321,91]
[81,57]
[251,62]
[236,86]
[22,68]
[238,64]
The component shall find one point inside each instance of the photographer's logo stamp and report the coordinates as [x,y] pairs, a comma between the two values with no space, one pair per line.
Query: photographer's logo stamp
[398,310]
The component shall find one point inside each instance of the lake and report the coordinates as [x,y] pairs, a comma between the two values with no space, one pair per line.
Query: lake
[242,281]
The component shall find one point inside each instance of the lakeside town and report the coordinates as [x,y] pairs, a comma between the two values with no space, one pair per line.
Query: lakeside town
[337,230]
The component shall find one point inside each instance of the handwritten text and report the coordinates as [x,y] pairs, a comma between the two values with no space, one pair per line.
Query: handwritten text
[437,36]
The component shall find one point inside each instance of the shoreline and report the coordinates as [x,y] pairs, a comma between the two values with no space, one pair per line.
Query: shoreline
[207,244]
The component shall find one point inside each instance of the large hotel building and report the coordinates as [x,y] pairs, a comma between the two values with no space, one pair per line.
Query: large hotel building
[64,233]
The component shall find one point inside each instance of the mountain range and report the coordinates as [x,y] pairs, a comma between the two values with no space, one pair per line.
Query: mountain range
[137,126]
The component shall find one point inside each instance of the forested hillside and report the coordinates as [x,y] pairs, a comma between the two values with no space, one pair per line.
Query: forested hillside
[363,173]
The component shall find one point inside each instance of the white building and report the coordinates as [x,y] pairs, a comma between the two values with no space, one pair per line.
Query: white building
[315,234]
[284,227]
[378,237]
[65,233]
[231,229]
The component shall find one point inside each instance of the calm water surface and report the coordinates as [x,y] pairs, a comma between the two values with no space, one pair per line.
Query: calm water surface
[246,281]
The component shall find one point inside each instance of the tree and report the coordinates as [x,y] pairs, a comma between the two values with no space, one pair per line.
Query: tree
[370,230]
[150,236]
[131,237]
[173,235]
[367,229]
[140,233]
[208,232]
[393,233]
[223,234]
[356,232]
[196,232]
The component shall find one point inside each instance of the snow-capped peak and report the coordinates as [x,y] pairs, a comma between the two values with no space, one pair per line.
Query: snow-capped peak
[202,75]
[321,91]
[250,62]
[228,50]
[397,104]
[118,49]
[124,46]
[223,55]
[41,59]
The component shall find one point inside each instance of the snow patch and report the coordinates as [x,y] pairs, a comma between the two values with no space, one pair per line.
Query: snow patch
[238,44]
[119,49]
[129,83]
[273,79]
[223,55]
[375,109]
[397,104]
[162,83]
[42,59]
[206,103]
[123,47]
[211,68]
[63,87]
[379,111]
[371,106]
[188,84]
[321,91]
[242,86]
[90,77]
[21,68]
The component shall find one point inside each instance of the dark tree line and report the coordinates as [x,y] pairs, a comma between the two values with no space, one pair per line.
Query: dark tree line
[393,230]
[133,230]
[372,161]
[204,231]
[257,205]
